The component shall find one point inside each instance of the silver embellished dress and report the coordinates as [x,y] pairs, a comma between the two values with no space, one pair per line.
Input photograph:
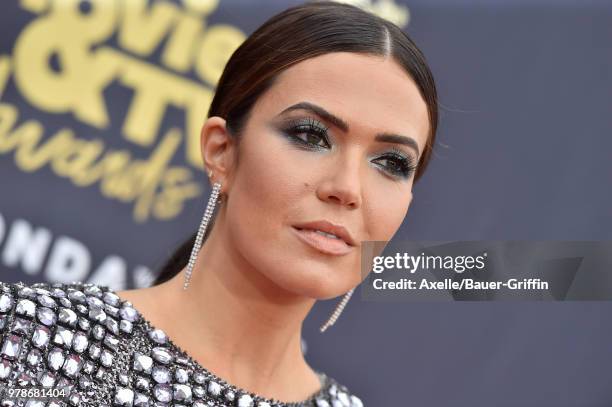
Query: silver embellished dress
[79,344]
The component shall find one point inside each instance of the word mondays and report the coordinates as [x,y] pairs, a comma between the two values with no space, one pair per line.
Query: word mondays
[25,246]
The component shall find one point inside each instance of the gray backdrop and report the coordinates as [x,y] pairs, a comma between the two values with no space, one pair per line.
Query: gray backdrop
[524,152]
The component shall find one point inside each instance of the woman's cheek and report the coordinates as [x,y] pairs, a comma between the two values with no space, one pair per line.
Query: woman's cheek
[386,214]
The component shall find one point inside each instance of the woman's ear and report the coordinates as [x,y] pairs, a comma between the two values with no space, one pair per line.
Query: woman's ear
[217,147]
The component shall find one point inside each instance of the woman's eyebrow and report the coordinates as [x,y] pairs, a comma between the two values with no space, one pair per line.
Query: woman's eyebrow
[342,125]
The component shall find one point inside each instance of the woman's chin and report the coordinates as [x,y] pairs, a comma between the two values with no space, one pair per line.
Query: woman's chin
[315,288]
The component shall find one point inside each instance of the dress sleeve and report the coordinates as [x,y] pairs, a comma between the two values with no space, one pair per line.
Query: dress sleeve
[63,341]
[27,314]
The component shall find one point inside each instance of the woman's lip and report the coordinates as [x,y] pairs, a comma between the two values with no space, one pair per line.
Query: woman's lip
[324,244]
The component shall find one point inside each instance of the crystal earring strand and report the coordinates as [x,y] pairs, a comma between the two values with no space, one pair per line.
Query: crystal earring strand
[334,316]
[210,207]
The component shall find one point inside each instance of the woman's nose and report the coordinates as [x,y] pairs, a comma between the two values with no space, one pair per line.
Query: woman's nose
[342,183]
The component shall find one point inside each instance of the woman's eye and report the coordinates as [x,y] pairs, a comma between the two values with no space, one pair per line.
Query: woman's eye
[309,135]
[398,166]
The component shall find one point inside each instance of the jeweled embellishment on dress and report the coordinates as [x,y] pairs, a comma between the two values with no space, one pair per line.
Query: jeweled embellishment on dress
[123,397]
[67,317]
[128,313]
[245,401]
[6,302]
[80,342]
[142,363]
[322,403]
[25,307]
[46,301]
[214,388]
[55,359]
[85,339]
[63,337]
[158,336]
[162,392]
[72,365]
[162,355]
[11,346]
[161,374]
[182,393]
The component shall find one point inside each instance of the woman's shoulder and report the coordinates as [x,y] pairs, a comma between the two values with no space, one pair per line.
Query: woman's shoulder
[60,335]
[62,309]
[47,303]
[68,335]
[57,290]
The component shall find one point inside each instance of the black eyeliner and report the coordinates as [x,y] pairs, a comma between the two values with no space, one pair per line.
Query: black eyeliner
[293,127]
[406,162]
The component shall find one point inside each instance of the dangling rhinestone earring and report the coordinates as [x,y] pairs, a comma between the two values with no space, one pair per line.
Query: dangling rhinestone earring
[334,316]
[212,201]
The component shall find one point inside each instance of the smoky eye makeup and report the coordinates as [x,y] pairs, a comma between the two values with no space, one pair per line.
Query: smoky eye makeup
[400,165]
[311,134]
[307,133]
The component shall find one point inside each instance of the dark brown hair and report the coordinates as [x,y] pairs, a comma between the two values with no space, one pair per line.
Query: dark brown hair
[294,35]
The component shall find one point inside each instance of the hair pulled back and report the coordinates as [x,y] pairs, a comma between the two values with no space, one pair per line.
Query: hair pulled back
[294,35]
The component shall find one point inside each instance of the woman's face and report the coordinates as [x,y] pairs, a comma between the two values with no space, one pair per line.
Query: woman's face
[298,164]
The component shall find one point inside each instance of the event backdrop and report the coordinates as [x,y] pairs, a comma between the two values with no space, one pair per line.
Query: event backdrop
[100,176]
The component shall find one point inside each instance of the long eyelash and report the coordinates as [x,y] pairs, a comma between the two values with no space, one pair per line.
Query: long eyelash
[309,126]
[407,163]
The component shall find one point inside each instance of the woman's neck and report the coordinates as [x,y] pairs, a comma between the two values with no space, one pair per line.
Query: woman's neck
[236,323]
